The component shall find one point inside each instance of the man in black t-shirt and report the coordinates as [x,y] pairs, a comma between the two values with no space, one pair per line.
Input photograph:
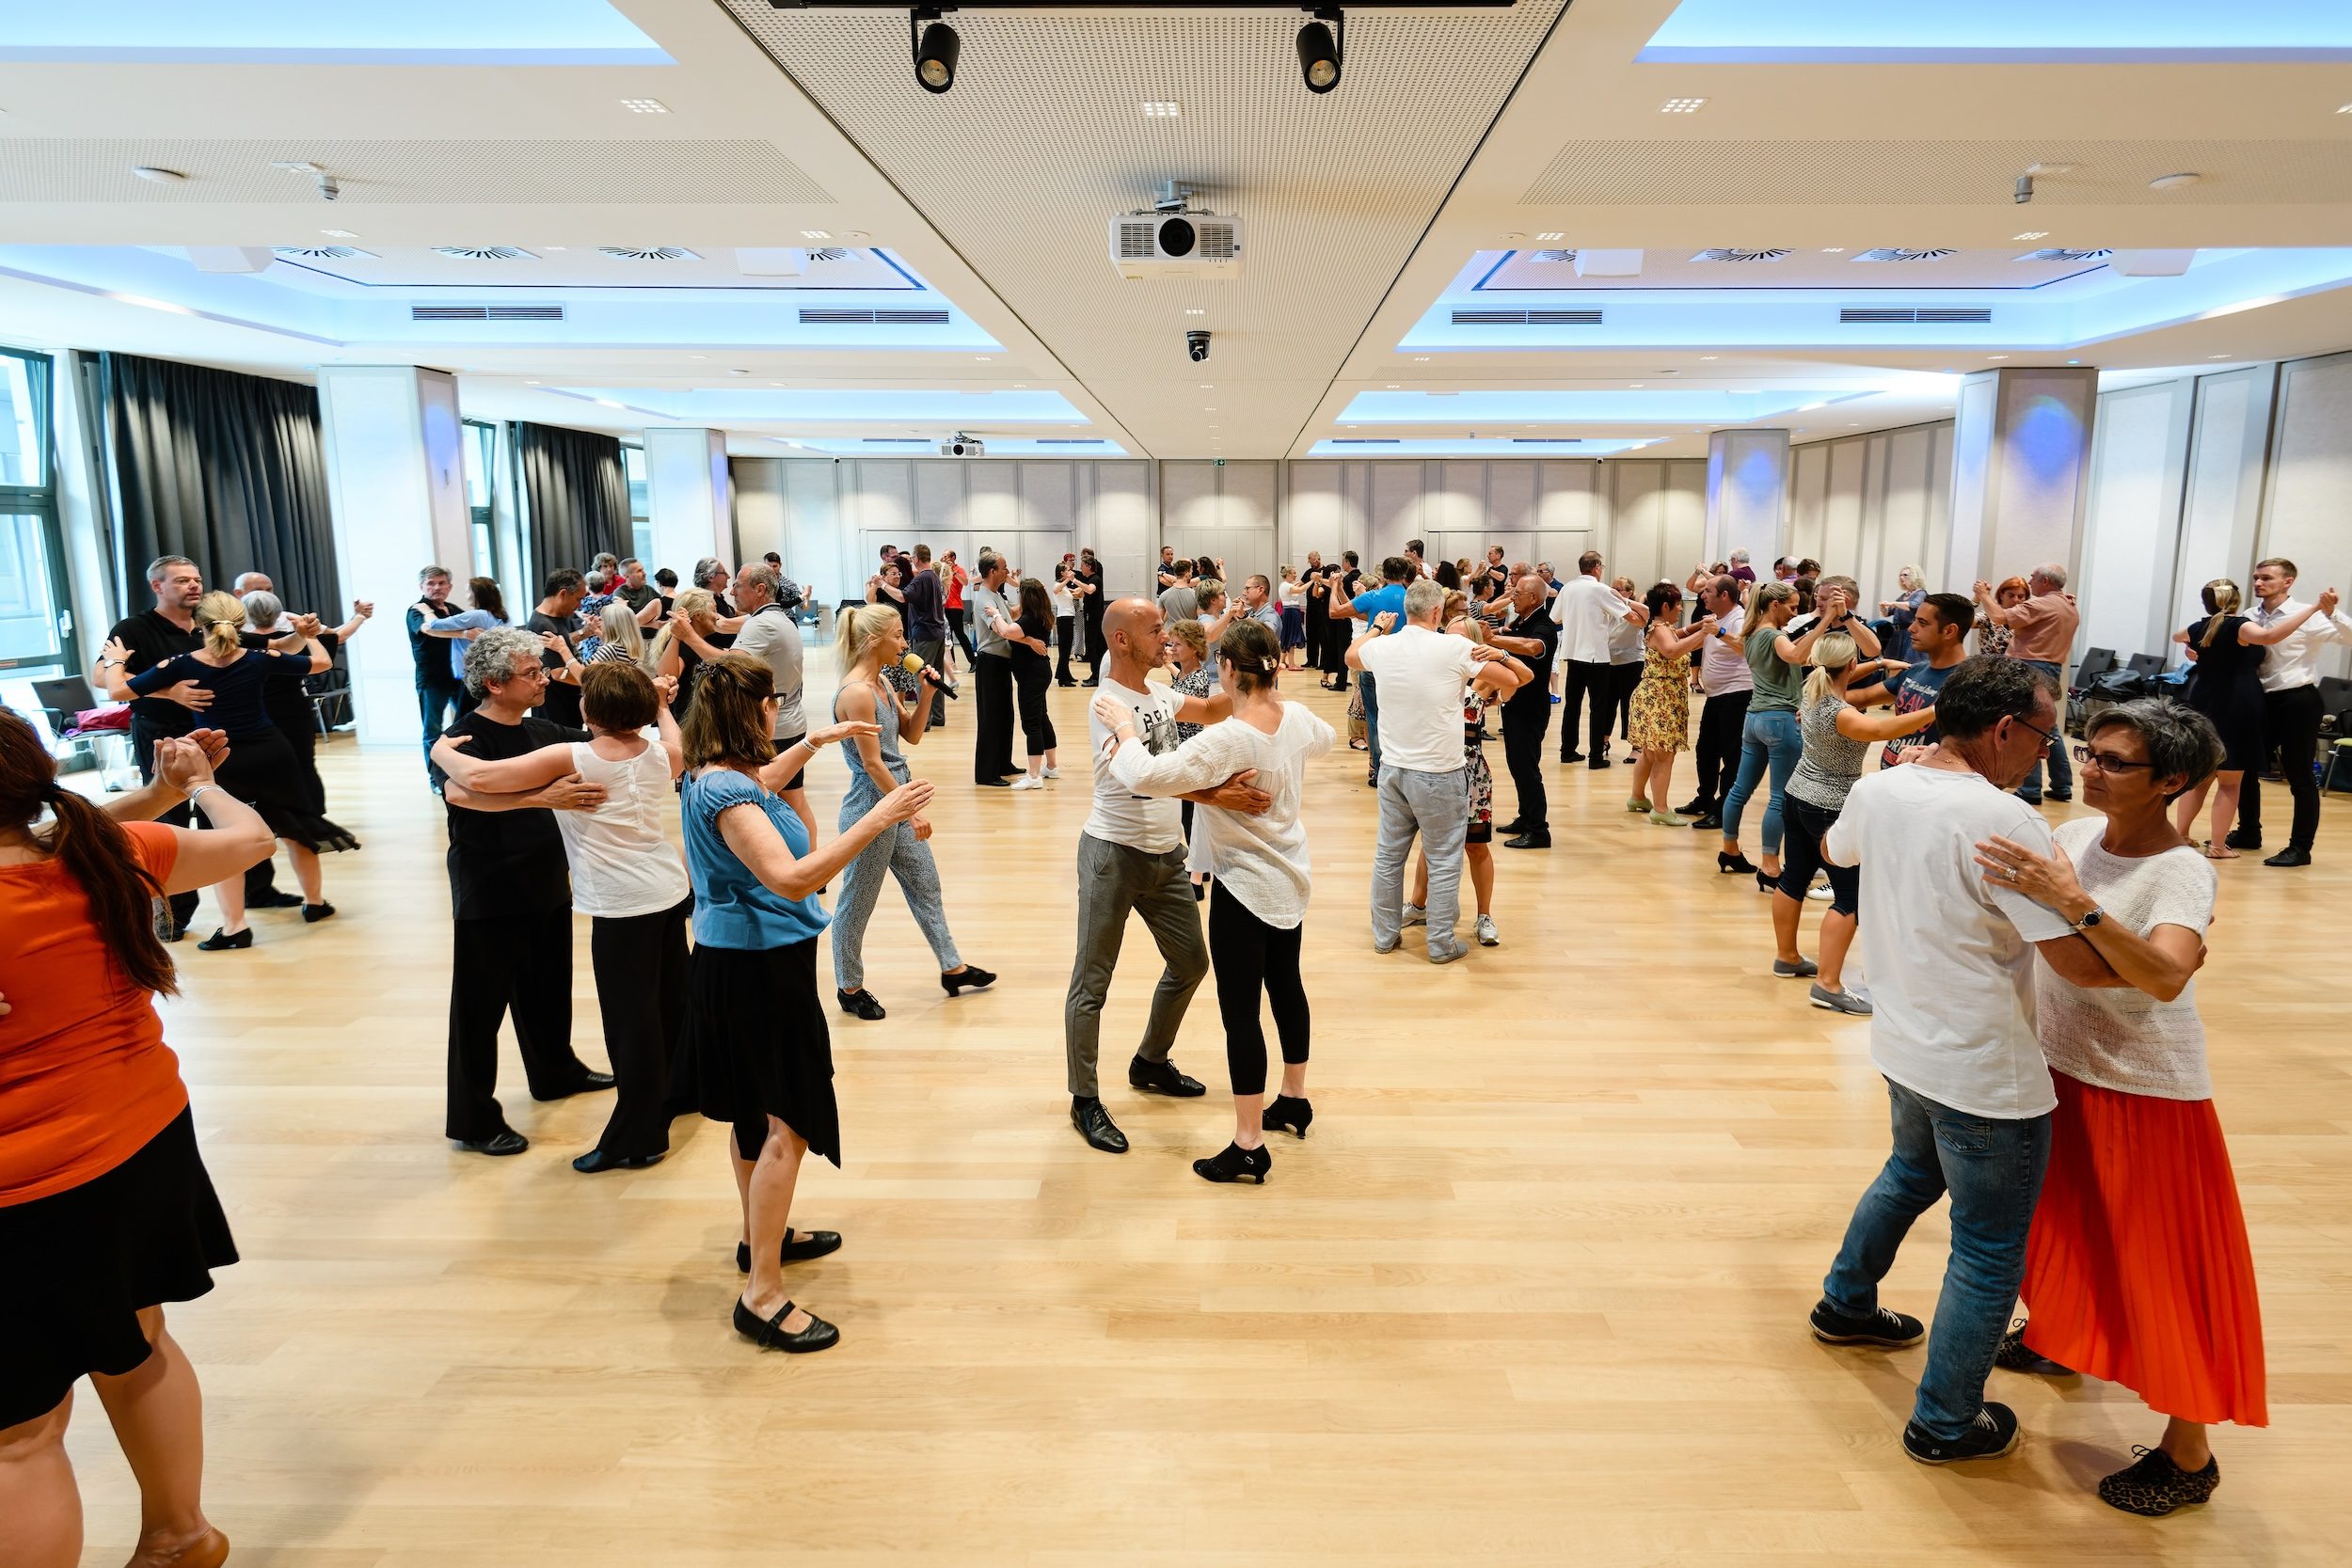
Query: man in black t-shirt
[1533,637]
[440,695]
[511,892]
[148,638]
[557,615]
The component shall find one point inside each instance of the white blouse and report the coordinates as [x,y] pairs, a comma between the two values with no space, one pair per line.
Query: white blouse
[621,863]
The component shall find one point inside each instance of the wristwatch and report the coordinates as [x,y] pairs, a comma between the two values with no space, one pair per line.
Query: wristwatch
[2088,920]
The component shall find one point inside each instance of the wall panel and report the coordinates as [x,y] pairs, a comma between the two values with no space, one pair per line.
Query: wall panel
[2310,499]
[2131,526]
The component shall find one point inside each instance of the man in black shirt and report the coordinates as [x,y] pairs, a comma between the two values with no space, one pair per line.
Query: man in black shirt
[558,616]
[440,695]
[1533,637]
[511,892]
[634,587]
[148,638]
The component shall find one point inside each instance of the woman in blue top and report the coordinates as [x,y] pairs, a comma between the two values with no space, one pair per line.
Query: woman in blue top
[489,609]
[755,1023]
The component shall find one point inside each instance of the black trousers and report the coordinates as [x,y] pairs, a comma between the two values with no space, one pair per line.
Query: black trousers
[992,750]
[1523,731]
[1065,628]
[2290,728]
[1722,722]
[518,964]
[959,631]
[640,962]
[931,650]
[1335,636]
[1584,680]
[1623,678]
[1097,646]
[1249,956]
[182,816]
[1037,725]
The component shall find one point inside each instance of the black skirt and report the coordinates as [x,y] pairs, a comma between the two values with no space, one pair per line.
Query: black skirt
[756,1032]
[262,771]
[84,1262]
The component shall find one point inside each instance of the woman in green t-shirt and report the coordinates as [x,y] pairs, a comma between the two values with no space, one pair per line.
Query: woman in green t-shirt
[1773,739]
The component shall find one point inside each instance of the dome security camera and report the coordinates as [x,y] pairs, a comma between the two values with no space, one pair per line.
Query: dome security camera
[1197,345]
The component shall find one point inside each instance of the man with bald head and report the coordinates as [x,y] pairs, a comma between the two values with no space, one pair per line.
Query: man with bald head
[1131,857]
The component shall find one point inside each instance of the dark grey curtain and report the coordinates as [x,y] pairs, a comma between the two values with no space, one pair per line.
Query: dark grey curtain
[576,495]
[227,469]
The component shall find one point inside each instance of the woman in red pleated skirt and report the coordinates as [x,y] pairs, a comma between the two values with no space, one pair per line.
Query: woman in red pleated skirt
[2137,1269]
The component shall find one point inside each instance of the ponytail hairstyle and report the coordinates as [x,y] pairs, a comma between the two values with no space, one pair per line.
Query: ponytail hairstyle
[92,850]
[222,616]
[1251,655]
[691,608]
[727,725]
[2221,599]
[855,630]
[1767,596]
[1835,651]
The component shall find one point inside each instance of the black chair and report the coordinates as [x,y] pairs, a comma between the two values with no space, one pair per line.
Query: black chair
[2146,666]
[329,689]
[2095,662]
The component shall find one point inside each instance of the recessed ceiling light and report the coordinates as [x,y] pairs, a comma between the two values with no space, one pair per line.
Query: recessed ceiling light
[698,356]
[1208,386]
[775,383]
[1162,109]
[739,372]
[530,384]
[1711,356]
[1637,386]
[161,176]
[1682,105]
[1393,386]
[1194,310]
[2033,234]
[1834,250]
[2171,182]
[1551,234]
[339,233]
[2217,357]
[983,358]
[816,233]
[1997,356]
[645,105]
[2345,110]
[1420,359]
[1020,385]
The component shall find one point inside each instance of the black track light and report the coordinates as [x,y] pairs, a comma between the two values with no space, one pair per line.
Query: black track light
[935,50]
[1320,50]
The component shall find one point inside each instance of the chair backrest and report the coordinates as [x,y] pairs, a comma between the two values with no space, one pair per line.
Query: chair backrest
[2335,694]
[2095,662]
[2146,664]
[64,696]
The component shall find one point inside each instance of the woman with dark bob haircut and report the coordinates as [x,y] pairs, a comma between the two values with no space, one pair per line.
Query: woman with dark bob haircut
[2137,1269]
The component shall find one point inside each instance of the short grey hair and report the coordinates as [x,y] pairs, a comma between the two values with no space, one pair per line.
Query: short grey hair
[2181,741]
[1739,557]
[765,576]
[2054,574]
[706,568]
[1424,599]
[263,608]
[493,655]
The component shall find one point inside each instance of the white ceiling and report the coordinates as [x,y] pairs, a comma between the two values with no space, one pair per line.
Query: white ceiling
[1452,132]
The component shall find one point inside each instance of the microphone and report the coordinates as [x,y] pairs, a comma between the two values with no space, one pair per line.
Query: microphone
[913,665]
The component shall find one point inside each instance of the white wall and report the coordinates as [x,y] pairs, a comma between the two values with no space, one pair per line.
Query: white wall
[1871,505]
[2132,525]
[2307,510]
[1537,510]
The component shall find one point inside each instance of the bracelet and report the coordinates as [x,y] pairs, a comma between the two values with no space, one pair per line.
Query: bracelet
[199,790]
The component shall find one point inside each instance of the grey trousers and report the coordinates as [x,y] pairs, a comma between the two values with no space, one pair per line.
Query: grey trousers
[1113,880]
[1436,806]
[933,651]
[895,852]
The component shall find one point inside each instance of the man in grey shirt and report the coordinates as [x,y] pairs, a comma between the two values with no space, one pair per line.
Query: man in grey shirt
[992,672]
[1183,601]
[1257,604]
[771,636]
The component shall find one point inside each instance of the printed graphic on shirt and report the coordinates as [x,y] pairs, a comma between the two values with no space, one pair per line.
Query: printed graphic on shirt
[1157,731]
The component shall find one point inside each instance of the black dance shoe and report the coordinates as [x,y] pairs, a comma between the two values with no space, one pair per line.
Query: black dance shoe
[799,1247]
[221,941]
[313,913]
[862,1003]
[772,1334]
[2011,1356]
[274,899]
[1528,841]
[1094,1124]
[589,1082]
[2156,1486]
[508,1142]
[1235,1164]
[1287,1114]
[1733,864]
[1992,1434]
[970,977]
[2289,856]
[597,1159]
[1163,1078]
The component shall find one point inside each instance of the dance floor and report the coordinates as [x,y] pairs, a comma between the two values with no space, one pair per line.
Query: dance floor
[1533,1291]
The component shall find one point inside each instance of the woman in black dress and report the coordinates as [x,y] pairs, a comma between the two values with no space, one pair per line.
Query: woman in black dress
[2227,689]
[287,699]
[260,768]
[1090,607]
[1338,632]
[1032,673]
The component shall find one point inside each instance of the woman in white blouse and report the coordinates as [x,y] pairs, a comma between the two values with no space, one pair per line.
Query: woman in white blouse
[2137,1269]
[1258,905]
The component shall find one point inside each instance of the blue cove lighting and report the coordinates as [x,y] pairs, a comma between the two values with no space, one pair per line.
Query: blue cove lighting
[1994,31]
[305,32]
[1671,405]
[1478,447]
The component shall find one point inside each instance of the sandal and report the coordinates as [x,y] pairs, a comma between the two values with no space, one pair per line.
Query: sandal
[2224,853]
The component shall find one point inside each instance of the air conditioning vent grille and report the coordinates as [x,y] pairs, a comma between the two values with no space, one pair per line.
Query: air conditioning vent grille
[485,312]
[821,315]
[1932,315]
[1888,253]
[1536,316]
[649,253]
[324,253]
[485,252]
[1732,254]
[2066,255]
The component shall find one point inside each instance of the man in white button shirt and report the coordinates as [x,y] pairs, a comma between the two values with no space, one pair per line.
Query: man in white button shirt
[1585,609]
[2291,712]
[1729,682]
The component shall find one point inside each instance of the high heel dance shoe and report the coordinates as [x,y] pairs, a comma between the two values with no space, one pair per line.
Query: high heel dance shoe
[1287,1114]
[970,977]
[862,1003]
[1235,1164]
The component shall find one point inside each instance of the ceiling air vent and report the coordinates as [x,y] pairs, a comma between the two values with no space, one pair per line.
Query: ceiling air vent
[485,252]
[1540,316]
[812,315]
[1930,315]
[1553,256]
[2043,255]
[485,312]
[830,253]
[1727,255]
[649,253]
[324,253]
[1888,253]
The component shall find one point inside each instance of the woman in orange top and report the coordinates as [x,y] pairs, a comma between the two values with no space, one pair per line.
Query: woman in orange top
[106,1209]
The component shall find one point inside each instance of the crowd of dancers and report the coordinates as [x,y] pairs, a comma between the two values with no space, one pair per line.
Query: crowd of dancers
[2032,1001]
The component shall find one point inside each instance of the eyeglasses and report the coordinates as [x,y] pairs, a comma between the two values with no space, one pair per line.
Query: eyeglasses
[2106,762]
[2048,737]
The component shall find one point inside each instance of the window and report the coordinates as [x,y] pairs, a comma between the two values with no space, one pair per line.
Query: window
[640,511]
[36,640]
[481,453]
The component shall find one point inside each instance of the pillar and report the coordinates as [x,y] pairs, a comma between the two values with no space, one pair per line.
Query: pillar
[2021,472]
[687,497]
[1747,498]
[396,484]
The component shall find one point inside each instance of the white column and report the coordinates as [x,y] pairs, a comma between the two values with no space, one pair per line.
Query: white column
[1747,497]
[396,481]
[686,491]
[2021,472]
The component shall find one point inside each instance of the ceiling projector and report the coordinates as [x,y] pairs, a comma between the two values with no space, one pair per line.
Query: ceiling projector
[1165,244]
[961,445]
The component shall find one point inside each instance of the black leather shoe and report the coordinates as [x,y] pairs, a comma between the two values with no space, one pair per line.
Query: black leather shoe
[508,1142]
[597,1159]
[1571,756]
[2240,839]
[589,1084]
[2057,794]
[313,913]
[274,899]
[1528,841]
[860,1001]
[1695,807]
[1510,829]
[993,784]
[970,977]
[221,941]
[1163,1078]
[799,1247]
[772,1334]
[1094,1124]
[1706,822]
[2290,856]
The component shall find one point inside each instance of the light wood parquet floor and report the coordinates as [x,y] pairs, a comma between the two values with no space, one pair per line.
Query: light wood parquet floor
[1533,1292]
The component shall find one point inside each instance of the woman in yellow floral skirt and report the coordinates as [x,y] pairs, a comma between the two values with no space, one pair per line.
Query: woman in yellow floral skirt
[1661,703]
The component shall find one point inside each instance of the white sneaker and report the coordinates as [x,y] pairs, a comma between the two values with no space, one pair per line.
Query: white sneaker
[1487,935]
[1819,893]
[1416,915]
[1025,781]
[1052,773]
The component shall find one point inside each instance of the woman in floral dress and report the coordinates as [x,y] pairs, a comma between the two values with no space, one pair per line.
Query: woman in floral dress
[1661,703]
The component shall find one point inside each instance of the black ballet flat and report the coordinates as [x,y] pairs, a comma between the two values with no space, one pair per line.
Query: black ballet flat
[970,977]
[772,1334]
[597,1159]
[221,941]
[313,913]
[1287,1114]
[862,1003]
[1733,864]
[1235,1164]
[811,1243]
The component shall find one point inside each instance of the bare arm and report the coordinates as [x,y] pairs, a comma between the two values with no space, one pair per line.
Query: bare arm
[869,753]
[2075,962]
[2109,956]
[565,794]
[1212,709]
[2270,636]
[1857,726]
[505,776]
[761,848]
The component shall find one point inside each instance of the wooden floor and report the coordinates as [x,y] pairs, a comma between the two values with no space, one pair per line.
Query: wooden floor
[1534,1292]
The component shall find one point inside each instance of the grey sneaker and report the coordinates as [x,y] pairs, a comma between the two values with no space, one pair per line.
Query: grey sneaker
[1447,955]
[1840,1001]
[1804,969]
[1416,915]
[1487,935]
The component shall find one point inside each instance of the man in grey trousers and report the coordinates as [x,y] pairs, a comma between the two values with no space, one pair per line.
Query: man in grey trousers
[1131,857]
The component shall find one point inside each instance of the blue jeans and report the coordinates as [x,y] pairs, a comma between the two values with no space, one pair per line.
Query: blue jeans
[1993,1170]
[440,706]
[1370,689]
[2061,770]
[1772,740]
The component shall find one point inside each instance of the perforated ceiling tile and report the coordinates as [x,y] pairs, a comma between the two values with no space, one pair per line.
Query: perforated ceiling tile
[1911,173]
[464,173]
[1042,140]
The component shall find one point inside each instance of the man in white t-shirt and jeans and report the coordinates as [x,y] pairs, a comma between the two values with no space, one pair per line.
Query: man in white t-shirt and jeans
[1424,784]
[1951,952]
[1131,857]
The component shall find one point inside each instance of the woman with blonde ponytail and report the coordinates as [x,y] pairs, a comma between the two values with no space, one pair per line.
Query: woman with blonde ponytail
[2226,686]
[260,769]
[1837,737]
